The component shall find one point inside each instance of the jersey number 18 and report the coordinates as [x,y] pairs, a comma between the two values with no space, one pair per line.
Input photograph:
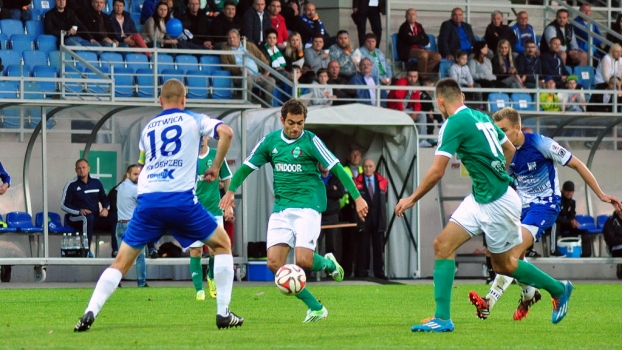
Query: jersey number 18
[491,135]
[166,141]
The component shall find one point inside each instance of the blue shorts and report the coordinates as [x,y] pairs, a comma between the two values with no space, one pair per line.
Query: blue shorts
[186,223]
[542,216]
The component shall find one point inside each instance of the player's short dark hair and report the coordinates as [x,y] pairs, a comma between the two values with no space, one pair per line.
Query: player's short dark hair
[293,107]
[82,160]
[448,89]
[508,113]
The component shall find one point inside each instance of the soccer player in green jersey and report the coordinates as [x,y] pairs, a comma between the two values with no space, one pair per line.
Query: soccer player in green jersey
[493,207]
[208,194]
[300,197]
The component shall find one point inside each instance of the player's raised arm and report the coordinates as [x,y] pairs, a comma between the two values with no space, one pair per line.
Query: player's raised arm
[348,183]
[590,180]
[225,134]
[432,177]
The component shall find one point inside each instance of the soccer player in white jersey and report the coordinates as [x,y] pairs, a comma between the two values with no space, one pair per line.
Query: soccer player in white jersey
[169,145]
[493,207]
[300,197]
[537,184]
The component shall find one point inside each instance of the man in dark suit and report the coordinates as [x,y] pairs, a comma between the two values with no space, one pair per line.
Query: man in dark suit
[411,43]
[373,188]
[455,35]
[255,21]
[364,9]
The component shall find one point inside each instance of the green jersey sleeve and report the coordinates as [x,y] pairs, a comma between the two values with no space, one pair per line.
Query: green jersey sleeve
[322,154]
[449,138]
[259,155]
[225,171]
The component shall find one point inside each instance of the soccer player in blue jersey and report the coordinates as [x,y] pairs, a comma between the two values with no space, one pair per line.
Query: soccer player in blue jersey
[169,145]
[533,168]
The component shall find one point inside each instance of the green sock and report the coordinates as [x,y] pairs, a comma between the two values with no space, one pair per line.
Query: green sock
[444,271]
[309,299]
[210,268]
[529,274]
[320,263]
[196,272]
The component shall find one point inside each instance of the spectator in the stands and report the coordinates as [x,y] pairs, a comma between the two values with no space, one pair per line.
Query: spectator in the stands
[291,10]
[528,65]
[224,22]
[214,7]
[334,78]
[455,35]
[460,72]
[381,68]
[343,53]
[616,27]
[147,10]
[278,23]
[600,102]
[523,31]
[569,50]
[61,19]
[272,52]
[99,24]
[124,27]
[582,27]
[368,9]
[411,42]
[364,77]
[503,66]
[315,56]
[294,52]
[612,232]
[155,27]
[321,92]
[196,22]
[572,99]
[549,101]
[481,67]
[18,9]
[308,24]
[552,64]
[409,98]
[609,66]
[497,31]
[255,21]
[254,74]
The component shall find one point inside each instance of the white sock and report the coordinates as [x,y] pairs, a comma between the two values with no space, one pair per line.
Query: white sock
[499,285]
[528,291]
[107,284]
[223,276]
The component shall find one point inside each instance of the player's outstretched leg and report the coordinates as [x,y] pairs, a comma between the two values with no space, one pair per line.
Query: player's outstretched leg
[530,296]
[444,271]
[223,276]
[337,274]
[106,285]
[560,304]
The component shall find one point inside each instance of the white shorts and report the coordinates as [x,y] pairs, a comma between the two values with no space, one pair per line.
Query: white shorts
[199,244]
[295,227]
[499,220]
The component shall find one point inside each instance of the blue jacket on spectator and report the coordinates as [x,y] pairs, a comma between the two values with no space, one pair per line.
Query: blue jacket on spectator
[129,27]
[580,31]
[79,195]
[147,10]
[522,36]
[363,95]
[383,62]
[4,176]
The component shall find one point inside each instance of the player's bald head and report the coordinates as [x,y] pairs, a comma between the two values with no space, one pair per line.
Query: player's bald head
[449,90]
[173,92]
[509,114]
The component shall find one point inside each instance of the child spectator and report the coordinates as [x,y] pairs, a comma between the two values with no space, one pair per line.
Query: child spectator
[459,72]
[549,101]
[321,92]
[572,101]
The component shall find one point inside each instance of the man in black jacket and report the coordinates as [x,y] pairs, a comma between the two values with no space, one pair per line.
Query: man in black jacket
[528,65]
[334,192]
[613,237]
[335,79]
[553,65]
[308,24]
[99,25]
[455,35]
[197,23]
[567,225]
[255,21]
[559,28]
[411,42]
[497,31]
[364,9]
[60,19]
[223,23]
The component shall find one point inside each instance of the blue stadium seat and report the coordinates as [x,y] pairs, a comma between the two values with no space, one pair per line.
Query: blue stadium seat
[169,73]
[35,58]
[197,82]
[135,16]
[18,70]
[396,58]
[46,72]
[11,115]
[601,219]
[44,5]
[73,88]
[55,60]
[186,63]
[444,68]
[47,43]
[586,222]
[90,57]
[99,87]
[6,229]
[35,28]
[522,102]
[209,63]
[124,82]
[137,61]
[4,42]
[22,221]
[33,91]
[10,57]
[137,6]
[432,44]
[586,75]
[108,59]
[54,223]
[223,85]
[11,27]
[145,81]
[22,42]
[165,61]
[109,6]
[497,101]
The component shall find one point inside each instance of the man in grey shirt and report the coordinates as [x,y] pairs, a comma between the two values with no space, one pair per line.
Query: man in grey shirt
[315,56]
[127,198]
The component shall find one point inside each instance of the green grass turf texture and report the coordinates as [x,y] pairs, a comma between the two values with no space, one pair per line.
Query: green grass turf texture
[360,317]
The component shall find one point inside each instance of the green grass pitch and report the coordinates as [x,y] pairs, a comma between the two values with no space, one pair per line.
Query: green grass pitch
[360,317]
